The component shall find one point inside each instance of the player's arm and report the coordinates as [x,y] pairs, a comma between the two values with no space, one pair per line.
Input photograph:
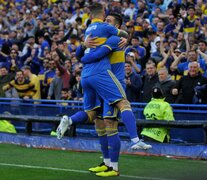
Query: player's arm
[123,33]
[80,51]
[97,55]
[116,32]
[101,52]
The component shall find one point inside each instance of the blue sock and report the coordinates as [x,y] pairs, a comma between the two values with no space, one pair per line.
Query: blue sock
[104,146]
[79,117]
[129,121]
[114,147]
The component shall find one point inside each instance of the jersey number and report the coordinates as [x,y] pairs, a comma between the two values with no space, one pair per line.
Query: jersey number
[151,116]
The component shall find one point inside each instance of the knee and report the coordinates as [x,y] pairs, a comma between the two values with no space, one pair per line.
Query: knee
[111,127]
[100,127]
[91,115]
[124,105]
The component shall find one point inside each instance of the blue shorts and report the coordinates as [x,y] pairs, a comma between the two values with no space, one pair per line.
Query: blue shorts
[103,85]
[111,111]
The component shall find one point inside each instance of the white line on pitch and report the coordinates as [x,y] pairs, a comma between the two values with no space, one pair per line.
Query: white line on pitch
[71,170]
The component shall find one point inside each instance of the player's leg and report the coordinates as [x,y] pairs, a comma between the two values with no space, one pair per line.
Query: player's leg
[110,90]
[101,131]
[129,121]
[91,104]
[114,145]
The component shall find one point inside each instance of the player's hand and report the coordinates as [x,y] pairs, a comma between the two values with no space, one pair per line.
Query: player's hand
[91,42]
[122,43]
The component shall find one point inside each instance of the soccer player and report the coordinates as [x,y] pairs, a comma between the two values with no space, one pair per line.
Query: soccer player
[97,79]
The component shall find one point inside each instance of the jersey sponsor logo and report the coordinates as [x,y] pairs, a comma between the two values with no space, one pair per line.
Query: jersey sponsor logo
[109,113]
[94,27]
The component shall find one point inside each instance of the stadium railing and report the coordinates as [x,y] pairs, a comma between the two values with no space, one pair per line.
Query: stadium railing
[29,120]
[190,124]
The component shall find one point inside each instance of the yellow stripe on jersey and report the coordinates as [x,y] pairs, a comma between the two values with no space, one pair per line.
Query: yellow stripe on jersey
[138,28]
[117,57]
[96,20]
[118,84]
[190,29]
[49,80]
[100,41]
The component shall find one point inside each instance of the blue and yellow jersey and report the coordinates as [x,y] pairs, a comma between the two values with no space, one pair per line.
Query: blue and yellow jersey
[49,75]
[138,30]
[116,58]
[102,31]
[189,25]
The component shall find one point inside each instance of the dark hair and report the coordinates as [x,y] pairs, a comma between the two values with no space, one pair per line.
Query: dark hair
[191,7]
[95,8]
[65,89]
[26,67]
[3,67]
[202,41]
[135,37]
[151,32]
[118,17]
[157,92]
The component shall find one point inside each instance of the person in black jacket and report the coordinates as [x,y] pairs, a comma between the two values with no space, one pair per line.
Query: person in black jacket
[185,86]
[149,81]
[133,83]
[166,84]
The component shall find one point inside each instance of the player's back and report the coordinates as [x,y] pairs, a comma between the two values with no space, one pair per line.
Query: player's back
[102,31]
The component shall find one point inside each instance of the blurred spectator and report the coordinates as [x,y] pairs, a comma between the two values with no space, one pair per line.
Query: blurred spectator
[33,79]
[135,44]
[157,109]
[43,45]
[77,91]
[24,87]
[66,94]
[153,38]
[181,42]
[14,61]
[49,75]
[133,84]
[41,76]
[55,86]
[191,22]
[191,57]
[185,86]
[149,81]
[166,84]
[5,78]
[131,59]
[33,62]
[64,72]
[171,26]
[157,55]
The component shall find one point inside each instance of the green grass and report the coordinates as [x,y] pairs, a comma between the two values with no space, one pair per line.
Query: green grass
[38,164]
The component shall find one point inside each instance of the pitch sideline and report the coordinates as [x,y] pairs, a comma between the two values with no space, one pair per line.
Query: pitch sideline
[72,170]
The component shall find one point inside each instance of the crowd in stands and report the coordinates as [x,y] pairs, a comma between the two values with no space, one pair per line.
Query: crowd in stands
[167,47]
